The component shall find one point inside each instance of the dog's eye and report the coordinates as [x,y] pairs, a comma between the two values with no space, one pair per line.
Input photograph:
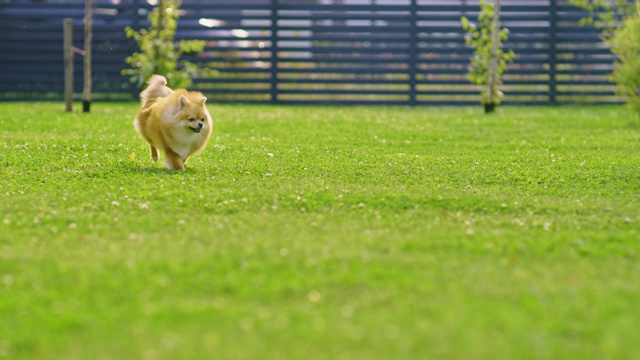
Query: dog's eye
[202,119]
[192,119]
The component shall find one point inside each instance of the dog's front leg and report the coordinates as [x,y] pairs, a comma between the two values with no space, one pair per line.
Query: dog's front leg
[173,161]
[154,153]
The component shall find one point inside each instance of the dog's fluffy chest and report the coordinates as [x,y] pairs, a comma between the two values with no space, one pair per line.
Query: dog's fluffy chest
[186,142]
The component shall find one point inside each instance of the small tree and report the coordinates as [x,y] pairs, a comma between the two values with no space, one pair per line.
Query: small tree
[619,21]
[159,53]
[489,59]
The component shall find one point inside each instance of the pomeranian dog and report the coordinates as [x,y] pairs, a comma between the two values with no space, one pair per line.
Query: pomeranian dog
[174,122]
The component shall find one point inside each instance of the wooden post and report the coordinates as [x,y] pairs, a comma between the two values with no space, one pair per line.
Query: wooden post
[86,94]
[68,64]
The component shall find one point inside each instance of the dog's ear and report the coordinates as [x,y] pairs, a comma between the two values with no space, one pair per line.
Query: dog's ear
[202,100]
[182,102]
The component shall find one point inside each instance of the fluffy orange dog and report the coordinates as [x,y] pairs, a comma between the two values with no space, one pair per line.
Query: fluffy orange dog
[174,122]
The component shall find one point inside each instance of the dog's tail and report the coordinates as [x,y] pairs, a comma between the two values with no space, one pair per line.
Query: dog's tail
[156,88]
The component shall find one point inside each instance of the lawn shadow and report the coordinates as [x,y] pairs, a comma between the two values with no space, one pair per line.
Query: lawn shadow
[132,168]
[633,125]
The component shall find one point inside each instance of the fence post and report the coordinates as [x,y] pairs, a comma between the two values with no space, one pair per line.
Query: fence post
[413,54]
[88,36]
[68,63]
[553,32]
[274,51]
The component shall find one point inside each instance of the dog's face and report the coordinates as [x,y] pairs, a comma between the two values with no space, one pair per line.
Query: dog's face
[193,114]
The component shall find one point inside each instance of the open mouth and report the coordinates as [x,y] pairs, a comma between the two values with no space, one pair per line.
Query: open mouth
[195,129]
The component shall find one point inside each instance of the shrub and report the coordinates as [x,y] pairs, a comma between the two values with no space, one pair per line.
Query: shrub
[620,24]
[625,43]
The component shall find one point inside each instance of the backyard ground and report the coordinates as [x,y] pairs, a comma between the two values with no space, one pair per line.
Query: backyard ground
[322,233]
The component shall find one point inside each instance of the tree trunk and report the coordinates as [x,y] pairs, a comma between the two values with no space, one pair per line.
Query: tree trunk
[493,62]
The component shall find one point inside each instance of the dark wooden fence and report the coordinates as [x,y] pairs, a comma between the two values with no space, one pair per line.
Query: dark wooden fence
[405,52]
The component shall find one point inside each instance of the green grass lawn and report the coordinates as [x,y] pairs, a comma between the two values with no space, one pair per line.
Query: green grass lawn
[322,233]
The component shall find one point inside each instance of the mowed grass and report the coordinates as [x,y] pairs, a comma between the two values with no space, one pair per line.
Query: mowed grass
[322,233]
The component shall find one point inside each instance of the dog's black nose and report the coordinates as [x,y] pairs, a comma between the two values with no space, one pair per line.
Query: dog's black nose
[200,126]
